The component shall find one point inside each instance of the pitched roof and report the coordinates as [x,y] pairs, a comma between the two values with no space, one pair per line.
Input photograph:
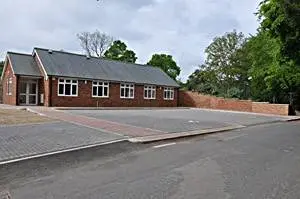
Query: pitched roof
[23,64]
[59,63]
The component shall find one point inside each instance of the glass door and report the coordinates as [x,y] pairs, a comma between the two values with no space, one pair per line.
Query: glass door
[28,92]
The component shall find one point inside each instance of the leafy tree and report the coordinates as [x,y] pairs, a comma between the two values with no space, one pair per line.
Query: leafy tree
[1,66]
[202,81]
[281,19]
[225,72]
[118,51]
[95,43]
[166,63]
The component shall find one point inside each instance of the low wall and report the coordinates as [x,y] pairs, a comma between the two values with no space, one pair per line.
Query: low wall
[193,99]
[276,109]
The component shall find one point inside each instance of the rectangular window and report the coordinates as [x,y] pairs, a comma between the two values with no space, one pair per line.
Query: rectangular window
[100,89]
[168,94]
[127,91]
[149,92]
[9,86]
[67,87]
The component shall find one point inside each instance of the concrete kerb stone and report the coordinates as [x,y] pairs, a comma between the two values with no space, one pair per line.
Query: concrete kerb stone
[292,119]
[169,136]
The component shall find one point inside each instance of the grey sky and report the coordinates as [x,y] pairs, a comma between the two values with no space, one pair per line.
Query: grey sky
[182,28]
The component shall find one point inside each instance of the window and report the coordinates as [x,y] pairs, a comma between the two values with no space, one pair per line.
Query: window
[9,86]
[127,91]
[168,93]
[100,89]
[149,92]
[67,87]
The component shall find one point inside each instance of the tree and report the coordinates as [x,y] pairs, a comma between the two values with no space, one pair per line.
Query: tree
[281,19]
[166,63]
[95,43]
[1,66]
[224,72]
[118,51]
[203,81]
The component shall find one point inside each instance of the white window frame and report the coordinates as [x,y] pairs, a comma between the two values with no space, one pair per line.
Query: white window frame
[149,89]
[99,84]
[127,86]
[169,96]
[9,84]
[63,81]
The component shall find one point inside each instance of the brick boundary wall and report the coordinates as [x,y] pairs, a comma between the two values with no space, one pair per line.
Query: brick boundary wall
[194,99]
[1,90]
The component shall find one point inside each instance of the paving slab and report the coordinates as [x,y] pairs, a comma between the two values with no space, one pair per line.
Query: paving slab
[27,140]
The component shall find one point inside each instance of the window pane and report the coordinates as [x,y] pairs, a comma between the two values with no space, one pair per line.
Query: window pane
[94,90]
[68,81]
[145,93]
[105,83]
[74,90]
[74,81]
[105,93]
[61,89]
[95,83]
[122,92]
[22,88]
[126,92]
[100,91]
[32,88]
[153,94]
[67,89]
[61,80]
[131,93]
[32,99]
[22,99]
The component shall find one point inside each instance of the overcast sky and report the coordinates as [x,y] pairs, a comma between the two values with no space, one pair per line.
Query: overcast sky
[182,28]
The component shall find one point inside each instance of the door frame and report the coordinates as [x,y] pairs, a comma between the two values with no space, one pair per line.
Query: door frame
[27,94]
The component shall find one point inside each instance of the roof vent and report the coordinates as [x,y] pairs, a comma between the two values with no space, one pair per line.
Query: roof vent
[50,51]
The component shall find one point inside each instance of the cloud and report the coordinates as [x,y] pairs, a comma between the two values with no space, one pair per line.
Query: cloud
[182,28]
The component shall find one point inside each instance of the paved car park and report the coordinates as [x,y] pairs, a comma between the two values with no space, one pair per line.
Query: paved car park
[178,120]
[26,140]
[79,128]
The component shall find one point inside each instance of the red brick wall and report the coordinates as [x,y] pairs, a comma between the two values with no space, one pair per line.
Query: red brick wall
[9,99]
[231,104]
[85,98]
[276,109]
[44,86]
[192,99]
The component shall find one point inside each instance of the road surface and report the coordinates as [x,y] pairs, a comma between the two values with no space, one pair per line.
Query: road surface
[256,162]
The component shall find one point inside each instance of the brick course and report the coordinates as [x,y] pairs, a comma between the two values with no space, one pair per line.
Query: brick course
[193,99]
[85,99]
[8,73]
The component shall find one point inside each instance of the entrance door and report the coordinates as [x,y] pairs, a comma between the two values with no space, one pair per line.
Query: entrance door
[28,92]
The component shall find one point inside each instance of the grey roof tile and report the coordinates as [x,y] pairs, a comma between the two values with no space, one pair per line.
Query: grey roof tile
[23,64]
[59,63]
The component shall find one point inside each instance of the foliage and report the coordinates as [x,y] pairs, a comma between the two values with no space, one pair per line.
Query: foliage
[281,19]
[223,73]
[1,66]
[166,63]
[95,43]
[118,51]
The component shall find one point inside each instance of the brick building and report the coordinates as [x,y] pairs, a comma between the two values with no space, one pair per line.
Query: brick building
[57,78]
